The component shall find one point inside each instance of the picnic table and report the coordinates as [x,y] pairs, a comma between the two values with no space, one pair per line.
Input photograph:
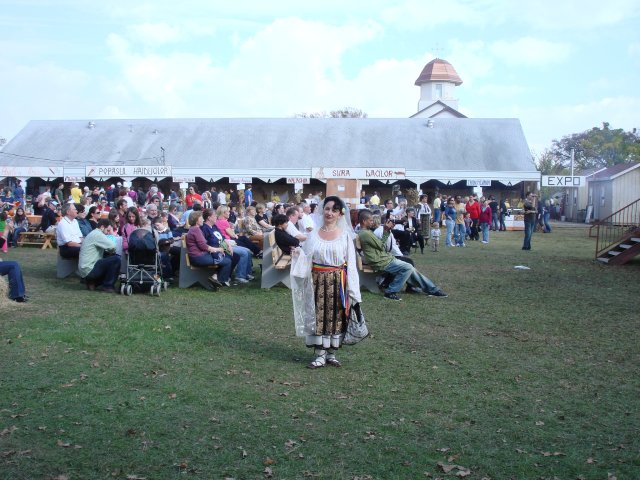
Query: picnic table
[36,238]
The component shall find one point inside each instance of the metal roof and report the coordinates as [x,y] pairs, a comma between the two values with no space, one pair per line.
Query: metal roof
[280,146]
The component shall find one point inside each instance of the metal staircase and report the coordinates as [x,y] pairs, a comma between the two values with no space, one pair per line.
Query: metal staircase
[618,235]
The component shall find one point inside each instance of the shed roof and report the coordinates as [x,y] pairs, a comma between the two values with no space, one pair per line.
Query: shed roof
[614,171]
[246,145]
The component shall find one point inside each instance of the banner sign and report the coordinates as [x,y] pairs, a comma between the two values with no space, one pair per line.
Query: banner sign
[391,173]
[479,182]
[563,181]
[184,179]
[128,171]
[74,178]
[304,180]
[39,172]
[240,179]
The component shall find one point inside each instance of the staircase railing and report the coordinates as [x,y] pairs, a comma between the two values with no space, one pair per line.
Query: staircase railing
[617,226]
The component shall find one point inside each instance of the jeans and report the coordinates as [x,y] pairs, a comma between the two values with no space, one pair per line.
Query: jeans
[494,221]
[529,227]
[485,232]
[15,236]
[502,225]
[436,215]
[402,273]
[105,271]
[450,224]
[242,261]
[16,283]
[545,219]
[461,231]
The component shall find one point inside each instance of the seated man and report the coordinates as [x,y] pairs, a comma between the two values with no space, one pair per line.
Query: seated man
[94,266]
[16,282]
[382,261]
[68,234]
[49,217]
[293,215]
[284,240]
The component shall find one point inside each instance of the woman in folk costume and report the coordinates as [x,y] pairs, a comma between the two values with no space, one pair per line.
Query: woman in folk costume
[324,282]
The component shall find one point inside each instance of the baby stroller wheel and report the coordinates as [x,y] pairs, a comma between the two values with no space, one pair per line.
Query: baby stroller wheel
[129,290]
[123,289]
[165,285]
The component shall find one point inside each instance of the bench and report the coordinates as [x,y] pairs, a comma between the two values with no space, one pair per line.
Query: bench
[366,274]
[66,267]
[36,238]
[275,264]
[190,274]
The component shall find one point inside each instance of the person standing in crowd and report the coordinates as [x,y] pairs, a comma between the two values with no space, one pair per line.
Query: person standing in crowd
[450,215]
[330,287]
[461,230]
[58,193]
[495,208]
[248,196]
[502,210]
[473,208]
[546,214]
[191,196]
[485,219]
[76,193]
[530,212]
[437,212]
[18,194]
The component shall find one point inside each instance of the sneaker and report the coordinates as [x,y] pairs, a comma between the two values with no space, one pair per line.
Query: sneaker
[242,280]
[484,241]
[438,293]
[250,277]
[392,296]
[214,281]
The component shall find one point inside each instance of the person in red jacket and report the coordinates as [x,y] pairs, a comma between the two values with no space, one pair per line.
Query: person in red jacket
[473,209]
[485,219]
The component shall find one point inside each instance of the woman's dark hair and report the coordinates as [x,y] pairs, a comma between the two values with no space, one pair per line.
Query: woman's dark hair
[17,218]
[279,219]
[338,204]
[92,210]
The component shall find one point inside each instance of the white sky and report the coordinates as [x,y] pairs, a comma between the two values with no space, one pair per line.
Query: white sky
[561,67]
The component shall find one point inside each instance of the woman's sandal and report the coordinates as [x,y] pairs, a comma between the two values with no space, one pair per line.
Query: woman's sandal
[319,362]
[333,361]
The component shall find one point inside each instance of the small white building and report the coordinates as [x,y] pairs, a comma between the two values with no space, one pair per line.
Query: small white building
[614,188]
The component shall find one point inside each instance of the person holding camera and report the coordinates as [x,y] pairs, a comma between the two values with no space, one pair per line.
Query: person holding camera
[382,261]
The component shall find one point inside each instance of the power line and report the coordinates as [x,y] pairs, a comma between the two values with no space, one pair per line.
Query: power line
[74,162]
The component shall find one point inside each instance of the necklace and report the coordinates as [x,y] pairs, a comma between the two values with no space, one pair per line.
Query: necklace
[325,229]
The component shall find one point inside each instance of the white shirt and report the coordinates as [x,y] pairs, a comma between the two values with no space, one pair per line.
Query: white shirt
[306,222]
[424,208]
[68,231]
[129,201]
[222,198]
[292,230]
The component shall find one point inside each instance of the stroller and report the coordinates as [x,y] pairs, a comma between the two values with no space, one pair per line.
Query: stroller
[144,271]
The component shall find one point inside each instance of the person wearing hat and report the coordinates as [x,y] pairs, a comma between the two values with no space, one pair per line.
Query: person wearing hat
[49,217]
[76,193]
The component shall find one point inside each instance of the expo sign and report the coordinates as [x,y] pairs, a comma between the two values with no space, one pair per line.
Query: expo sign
[563,181]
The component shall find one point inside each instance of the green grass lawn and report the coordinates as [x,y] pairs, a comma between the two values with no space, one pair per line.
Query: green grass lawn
[523,374]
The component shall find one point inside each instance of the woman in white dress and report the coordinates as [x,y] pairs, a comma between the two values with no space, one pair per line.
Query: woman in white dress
[324,282]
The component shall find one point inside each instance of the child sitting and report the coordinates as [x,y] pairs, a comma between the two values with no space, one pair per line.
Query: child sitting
[435,236]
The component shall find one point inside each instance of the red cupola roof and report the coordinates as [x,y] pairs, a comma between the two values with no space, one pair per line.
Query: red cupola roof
[438,70]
